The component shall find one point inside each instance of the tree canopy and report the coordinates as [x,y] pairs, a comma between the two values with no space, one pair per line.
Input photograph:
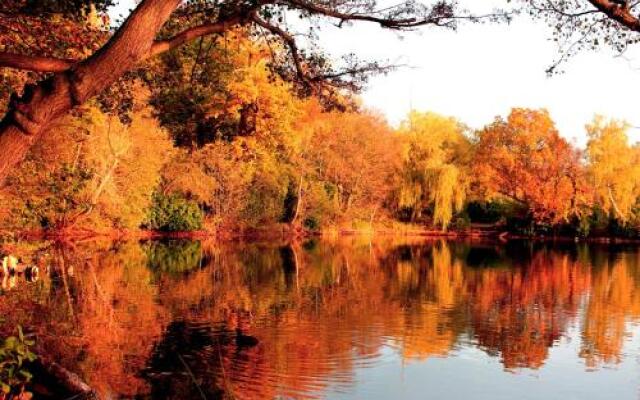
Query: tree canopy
[526,160]
[94,54]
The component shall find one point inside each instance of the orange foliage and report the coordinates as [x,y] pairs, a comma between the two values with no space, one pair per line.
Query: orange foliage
[526,160]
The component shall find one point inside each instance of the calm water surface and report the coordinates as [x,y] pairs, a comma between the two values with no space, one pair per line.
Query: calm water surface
[348,319]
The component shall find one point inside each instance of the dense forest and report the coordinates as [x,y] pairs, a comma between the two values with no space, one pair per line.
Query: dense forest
[232,126]
[212,139]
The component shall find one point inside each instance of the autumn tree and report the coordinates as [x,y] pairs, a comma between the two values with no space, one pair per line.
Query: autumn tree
[209,89]
[352,159]
[82,174]
[614,167]
[525,160]
[237,140]
[73,79]
[435,171]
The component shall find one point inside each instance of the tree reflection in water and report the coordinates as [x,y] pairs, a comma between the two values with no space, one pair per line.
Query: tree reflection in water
[208,320]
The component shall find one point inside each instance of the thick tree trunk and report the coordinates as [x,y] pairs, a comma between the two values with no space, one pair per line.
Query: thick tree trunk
[31,115]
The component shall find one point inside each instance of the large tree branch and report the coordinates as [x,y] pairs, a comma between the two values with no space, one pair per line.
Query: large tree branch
[40,105]
[161,46]
[290,42]
[618,13]
[52,64]
[35,63]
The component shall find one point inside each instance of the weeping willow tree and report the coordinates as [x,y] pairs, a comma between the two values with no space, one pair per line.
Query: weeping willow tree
[434,175]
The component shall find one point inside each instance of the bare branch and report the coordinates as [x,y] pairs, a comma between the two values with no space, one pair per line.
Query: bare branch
[551,7]
[290,42]
[385,22]
[441,14]
[568,52]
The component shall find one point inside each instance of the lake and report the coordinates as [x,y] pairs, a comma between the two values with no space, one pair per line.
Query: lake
[340,319]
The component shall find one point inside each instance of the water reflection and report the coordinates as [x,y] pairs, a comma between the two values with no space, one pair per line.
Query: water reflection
[203,320]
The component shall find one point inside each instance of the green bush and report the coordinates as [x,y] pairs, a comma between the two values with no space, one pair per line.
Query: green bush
[173,213]
[14,352]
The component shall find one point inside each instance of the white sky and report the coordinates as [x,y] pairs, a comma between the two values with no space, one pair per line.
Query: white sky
[484,70]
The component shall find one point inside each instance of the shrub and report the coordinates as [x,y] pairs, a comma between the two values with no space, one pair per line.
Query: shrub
[14,352]
[173,213]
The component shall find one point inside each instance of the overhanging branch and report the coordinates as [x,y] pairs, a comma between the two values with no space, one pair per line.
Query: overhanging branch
[35,63]
[53,64]
[618,13]
[161,46]
[441,14]
[291,44]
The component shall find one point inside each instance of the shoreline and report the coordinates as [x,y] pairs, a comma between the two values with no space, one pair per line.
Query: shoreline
[73,235]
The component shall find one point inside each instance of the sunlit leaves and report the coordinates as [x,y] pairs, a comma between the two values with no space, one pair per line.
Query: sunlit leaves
[525,159]
[614,167]
[435,166]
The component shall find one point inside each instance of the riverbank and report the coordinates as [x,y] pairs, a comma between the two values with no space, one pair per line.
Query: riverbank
[285,232]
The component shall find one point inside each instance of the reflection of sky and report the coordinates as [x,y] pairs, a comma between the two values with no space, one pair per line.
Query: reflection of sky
[469,373]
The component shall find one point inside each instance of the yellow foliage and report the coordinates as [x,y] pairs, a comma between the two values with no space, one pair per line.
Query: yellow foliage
[614,166]
[435,166]
[119,154]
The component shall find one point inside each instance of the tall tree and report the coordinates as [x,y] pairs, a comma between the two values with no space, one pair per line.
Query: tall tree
[353,156]
[614,167]
[434,174]
[527,161]
[144,34]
